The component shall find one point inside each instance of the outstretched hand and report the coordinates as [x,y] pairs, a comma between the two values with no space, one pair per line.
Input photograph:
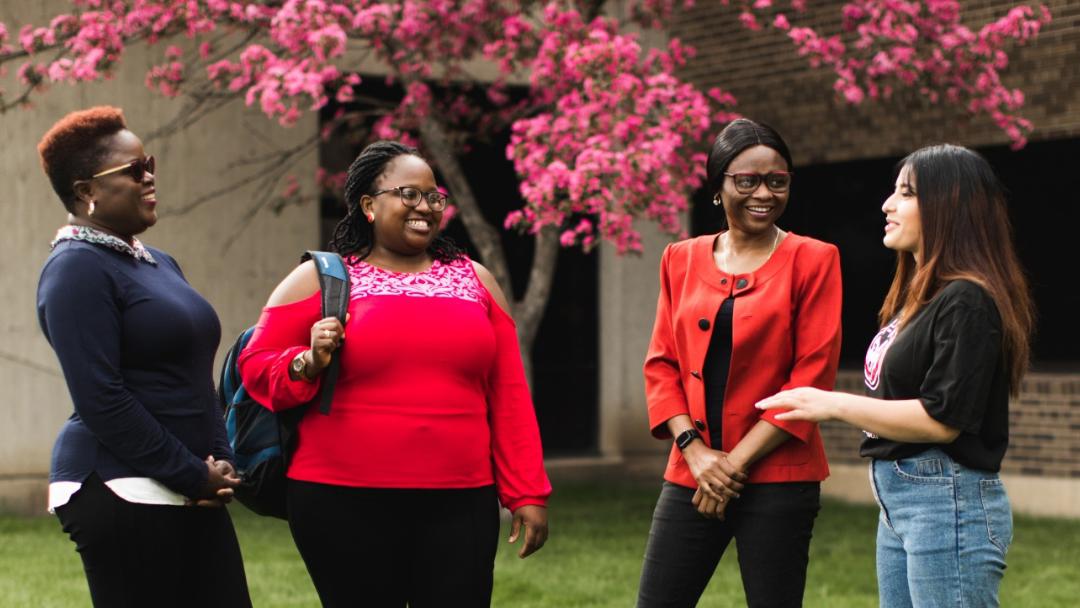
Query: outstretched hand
[534,520]
[803,403]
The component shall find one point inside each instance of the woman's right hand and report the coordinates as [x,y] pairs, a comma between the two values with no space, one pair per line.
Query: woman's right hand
[326,337]
[716,476]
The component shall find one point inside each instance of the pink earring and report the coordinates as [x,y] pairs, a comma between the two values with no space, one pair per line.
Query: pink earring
[92,206]
[370,217]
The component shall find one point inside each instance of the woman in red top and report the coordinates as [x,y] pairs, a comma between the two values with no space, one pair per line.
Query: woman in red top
[392,496]
[741,315]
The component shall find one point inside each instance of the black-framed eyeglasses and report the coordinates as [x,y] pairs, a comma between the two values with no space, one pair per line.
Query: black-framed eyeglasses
[746,183]
[410,197]
[137,169]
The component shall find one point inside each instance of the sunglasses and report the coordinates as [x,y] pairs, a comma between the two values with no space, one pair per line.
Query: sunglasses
[136,169]
[746,183]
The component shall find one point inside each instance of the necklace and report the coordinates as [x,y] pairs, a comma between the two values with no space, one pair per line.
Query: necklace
[721,256]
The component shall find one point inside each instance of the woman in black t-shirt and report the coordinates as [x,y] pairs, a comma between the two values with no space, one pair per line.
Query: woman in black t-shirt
[954,342]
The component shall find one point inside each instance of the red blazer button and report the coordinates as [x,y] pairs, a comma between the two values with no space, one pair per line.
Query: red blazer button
[703,324]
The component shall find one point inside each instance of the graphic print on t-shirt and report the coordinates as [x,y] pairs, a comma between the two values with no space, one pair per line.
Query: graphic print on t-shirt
[875,357]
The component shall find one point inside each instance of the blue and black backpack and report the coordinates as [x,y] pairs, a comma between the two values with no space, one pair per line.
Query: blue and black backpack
[262,440]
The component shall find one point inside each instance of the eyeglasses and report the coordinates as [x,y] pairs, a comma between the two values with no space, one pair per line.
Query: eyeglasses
[137,169]
[410,197]
[747,183]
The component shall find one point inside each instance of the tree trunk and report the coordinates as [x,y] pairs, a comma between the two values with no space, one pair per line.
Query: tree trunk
[528,311]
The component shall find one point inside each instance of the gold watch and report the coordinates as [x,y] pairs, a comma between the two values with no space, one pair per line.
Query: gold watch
[298,367]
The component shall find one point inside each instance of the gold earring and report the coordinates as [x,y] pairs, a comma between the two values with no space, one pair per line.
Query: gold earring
[92,207]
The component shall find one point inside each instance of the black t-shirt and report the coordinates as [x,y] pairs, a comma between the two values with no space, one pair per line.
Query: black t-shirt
[950,358]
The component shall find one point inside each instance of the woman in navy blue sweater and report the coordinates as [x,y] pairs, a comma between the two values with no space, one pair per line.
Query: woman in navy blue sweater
[141,469]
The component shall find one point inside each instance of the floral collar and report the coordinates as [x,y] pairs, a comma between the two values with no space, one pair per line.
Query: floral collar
[72,232]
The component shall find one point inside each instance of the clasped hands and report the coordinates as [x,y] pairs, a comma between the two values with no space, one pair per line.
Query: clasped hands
[221,478]
[719,479]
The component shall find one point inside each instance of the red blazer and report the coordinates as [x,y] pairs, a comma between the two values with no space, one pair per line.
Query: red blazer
[785,334]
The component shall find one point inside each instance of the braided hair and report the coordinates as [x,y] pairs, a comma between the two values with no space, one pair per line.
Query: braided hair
[354,235]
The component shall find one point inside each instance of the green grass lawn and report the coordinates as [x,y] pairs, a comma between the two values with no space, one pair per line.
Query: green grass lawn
[593,558]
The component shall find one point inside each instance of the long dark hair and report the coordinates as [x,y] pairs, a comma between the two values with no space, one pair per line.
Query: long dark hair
[736,137]
[354,235]
[966,234]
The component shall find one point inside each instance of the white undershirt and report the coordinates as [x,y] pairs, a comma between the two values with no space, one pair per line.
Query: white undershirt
[141,490]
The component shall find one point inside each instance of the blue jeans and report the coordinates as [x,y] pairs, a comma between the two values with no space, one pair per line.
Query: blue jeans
[943,532]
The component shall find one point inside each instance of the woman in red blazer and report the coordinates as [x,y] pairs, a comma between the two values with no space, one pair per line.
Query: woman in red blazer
[742,314]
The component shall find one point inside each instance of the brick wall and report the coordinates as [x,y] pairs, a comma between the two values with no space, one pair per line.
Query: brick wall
[1044,427]
[777,86]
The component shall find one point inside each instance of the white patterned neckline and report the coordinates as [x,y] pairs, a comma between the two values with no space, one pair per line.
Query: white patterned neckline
[88,234]
[456,279]
[353,261]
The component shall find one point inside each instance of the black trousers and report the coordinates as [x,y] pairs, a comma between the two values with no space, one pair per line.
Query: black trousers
[377,547]
[138,555]
[771,524]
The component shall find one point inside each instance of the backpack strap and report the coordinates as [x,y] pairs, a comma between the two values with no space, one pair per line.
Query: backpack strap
[334,285]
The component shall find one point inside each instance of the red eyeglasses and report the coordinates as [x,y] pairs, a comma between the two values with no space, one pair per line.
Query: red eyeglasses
[137,169]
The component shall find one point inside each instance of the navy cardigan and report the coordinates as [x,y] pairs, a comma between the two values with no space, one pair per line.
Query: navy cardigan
[136,344]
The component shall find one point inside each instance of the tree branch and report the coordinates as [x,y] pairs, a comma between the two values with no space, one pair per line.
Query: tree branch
[196,108]
[274,170]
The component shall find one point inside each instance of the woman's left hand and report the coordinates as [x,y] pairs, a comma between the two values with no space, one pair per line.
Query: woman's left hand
[534,518]
[805,403]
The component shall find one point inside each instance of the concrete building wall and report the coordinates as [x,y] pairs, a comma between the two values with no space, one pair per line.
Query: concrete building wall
[232,261]
[629,286]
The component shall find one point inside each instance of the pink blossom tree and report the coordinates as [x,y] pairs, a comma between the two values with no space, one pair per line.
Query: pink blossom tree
[606,133]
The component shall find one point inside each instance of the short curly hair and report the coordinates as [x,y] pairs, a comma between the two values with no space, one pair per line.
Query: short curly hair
[73,148]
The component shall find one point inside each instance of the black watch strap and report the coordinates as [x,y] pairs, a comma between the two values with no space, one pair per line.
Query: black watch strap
[686,437]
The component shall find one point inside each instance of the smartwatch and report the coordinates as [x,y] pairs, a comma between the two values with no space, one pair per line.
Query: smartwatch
[686,437]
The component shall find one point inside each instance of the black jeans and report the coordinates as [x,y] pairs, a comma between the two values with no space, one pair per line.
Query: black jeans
[771,523]
[388,547]
[138,555]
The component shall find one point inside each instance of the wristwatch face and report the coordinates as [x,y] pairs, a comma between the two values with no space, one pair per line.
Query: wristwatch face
[686,437]
[298,364]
